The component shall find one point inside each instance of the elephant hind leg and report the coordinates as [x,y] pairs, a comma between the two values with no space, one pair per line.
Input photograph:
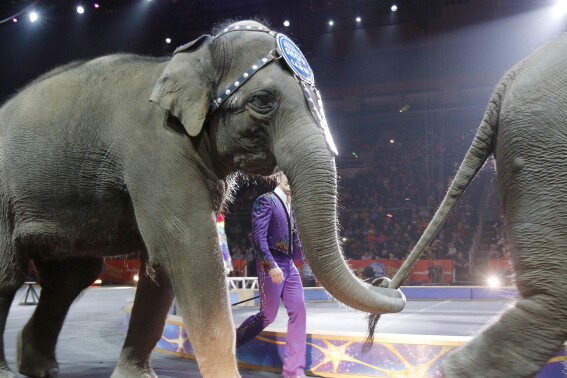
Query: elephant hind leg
[12,276]
[530,333]
[516,346]
[61,282]
[154,297]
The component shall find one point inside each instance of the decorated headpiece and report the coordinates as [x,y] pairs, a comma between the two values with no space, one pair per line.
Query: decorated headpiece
[295,60]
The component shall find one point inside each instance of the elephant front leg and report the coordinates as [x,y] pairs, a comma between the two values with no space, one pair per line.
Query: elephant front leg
[202,301]
[151,304]
[178,226]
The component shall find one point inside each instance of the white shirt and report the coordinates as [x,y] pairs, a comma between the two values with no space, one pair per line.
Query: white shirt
[283,197]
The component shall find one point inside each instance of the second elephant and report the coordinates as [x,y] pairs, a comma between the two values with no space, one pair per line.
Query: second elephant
[525,127]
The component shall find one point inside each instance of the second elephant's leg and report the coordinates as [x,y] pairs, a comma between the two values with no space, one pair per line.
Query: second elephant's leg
[151,304]
[61,282]
[531,332]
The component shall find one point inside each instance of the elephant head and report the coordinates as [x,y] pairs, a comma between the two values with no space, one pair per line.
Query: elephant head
[250,93]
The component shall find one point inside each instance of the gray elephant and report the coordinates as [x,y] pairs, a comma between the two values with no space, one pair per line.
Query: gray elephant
[90,168]
[525,127]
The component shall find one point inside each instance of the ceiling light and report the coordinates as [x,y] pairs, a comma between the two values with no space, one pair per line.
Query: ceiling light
[560,8]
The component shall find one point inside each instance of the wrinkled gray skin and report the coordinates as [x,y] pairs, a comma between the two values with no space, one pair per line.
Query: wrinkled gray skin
[525,127]
[90,168]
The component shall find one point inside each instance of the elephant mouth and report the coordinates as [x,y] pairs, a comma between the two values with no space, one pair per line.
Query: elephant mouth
[257,163]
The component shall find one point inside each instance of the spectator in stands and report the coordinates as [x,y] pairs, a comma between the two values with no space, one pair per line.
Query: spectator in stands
[494,252]
[451,251]
[367,256]
[250,258]
[238,255]
[461,267]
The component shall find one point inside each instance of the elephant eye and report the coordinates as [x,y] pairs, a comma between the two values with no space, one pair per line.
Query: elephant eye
[262,102]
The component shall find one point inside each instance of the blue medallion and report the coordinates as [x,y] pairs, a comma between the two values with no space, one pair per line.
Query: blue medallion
[295,58]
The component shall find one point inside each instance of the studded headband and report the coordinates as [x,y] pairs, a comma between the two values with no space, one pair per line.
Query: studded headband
[295,60]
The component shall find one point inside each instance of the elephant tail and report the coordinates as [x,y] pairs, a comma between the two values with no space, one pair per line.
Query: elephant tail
[480,150]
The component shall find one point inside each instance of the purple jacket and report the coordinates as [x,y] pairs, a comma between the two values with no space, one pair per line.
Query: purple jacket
[273,231]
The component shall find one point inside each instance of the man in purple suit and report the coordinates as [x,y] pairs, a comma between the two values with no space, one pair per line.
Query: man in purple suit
[277,247]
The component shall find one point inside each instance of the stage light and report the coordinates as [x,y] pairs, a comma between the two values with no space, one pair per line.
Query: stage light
[14,19]
[168,40]
[493,281]
[33,16]
[344,239]
[96,5]
[286,23]
[392,141]
[358,19]
[560,8]
[80,9]
[394,8]
[331,23]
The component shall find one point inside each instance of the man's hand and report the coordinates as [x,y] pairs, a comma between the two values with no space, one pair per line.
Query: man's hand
[277,275]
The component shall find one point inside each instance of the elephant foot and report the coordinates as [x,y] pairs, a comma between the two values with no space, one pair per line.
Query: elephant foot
[5,371]
[123,370]
[458,364]
[32,363]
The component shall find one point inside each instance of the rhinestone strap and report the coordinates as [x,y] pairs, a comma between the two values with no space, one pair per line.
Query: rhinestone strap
[232,28]
[217,102]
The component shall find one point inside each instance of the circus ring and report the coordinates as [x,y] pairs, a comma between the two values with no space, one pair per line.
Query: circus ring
[333,352]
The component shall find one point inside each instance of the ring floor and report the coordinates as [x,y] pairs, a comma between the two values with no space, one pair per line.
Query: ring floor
[92,335]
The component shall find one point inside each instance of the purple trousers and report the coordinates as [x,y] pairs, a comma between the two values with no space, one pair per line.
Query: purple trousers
[291,293]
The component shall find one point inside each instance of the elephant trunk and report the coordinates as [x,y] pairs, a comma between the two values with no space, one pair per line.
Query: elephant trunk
[312,175]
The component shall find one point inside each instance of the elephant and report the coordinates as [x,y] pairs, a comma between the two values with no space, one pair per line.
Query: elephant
[525,128]
[127,153]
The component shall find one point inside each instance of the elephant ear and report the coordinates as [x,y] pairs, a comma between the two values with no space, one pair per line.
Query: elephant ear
[182,89]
